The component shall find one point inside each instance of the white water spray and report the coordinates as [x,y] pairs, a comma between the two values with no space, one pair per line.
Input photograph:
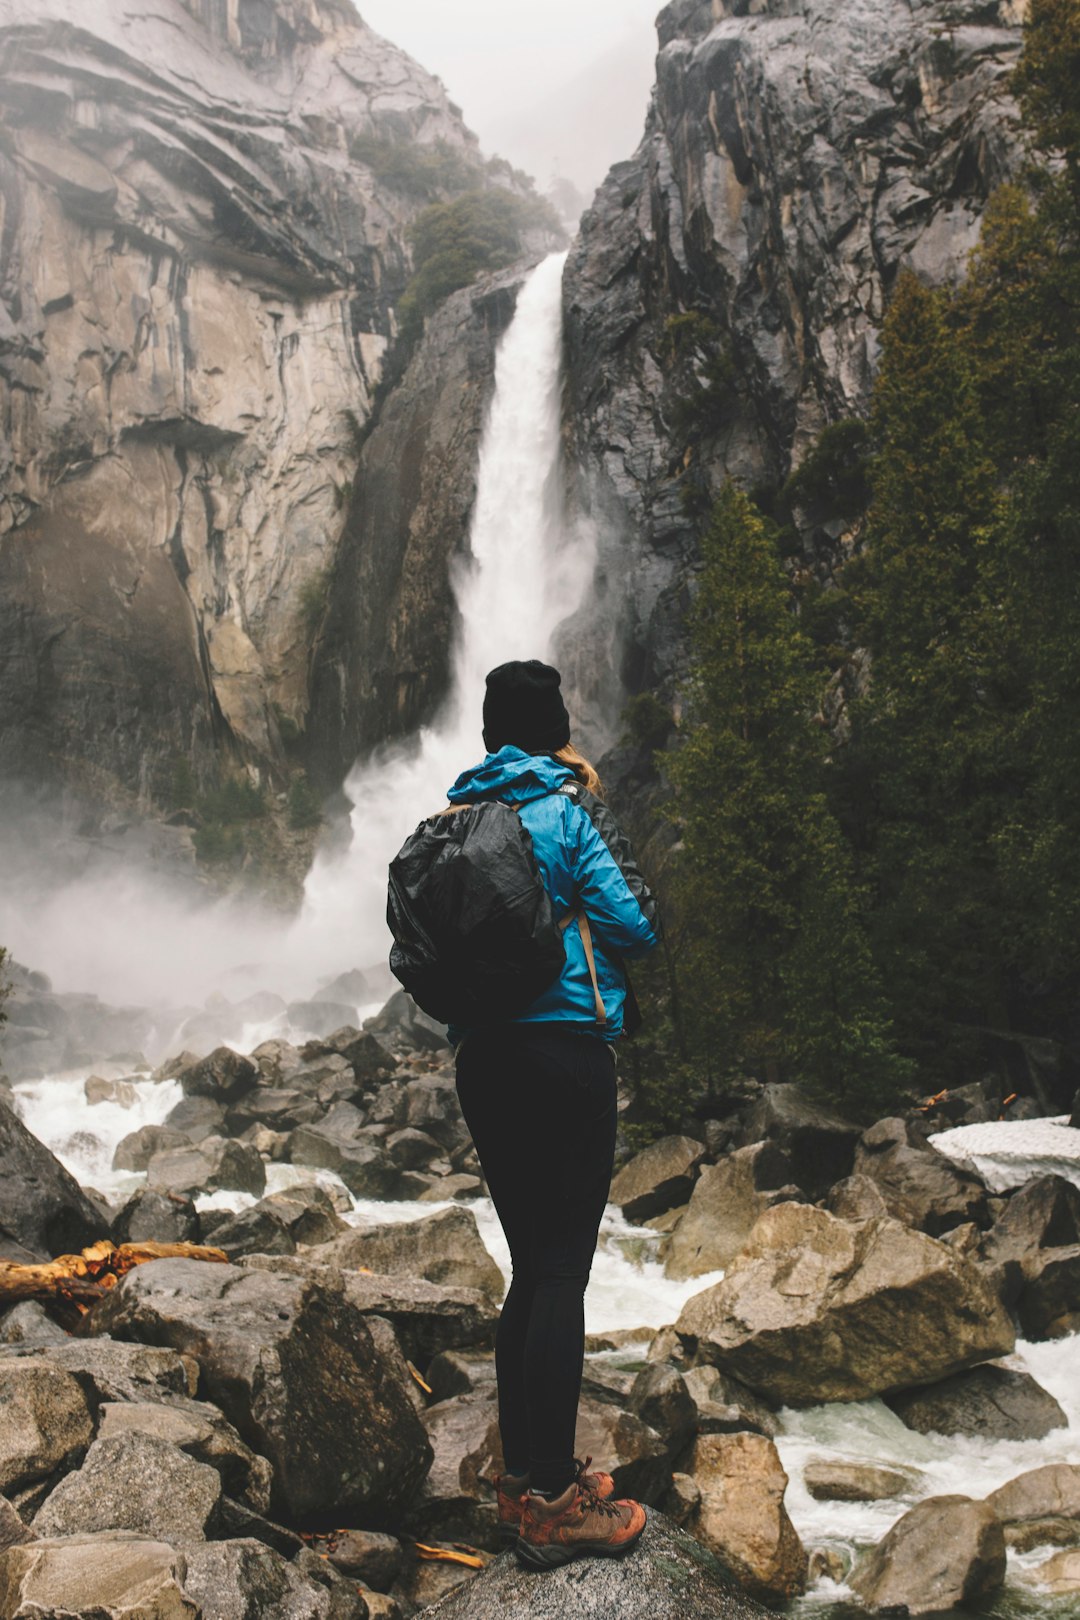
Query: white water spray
[525,573]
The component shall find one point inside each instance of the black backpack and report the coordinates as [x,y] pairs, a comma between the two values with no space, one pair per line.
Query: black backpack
[475,935]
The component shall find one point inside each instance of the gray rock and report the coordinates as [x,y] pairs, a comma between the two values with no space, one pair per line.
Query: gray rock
[213,1165]
[724,1406]
[347,1441]
[276,1060]
[808,1311]
[43,1211]
[682,1498]
[242,1579]
[253,1231]
[993,1403]
[456,1502]
[946,1551]
[669,1576]
[134,1481]
[319,1017]
[201,1431]
[13,1532]
[112,1371]
[1040,1507]
[401,1025]
[920,1186]
[134,1151]
[633,1454]
[831,1480]
[308,1213]
[223,1076]
[445,1247]
[741,1516]
[1049,1305]
[112,1574]
[819,1145]
[856,1198]
[372,1557]
[453,1374]
[46,1423]
[660,1398]
[724,1206]
[196,1118]
[658,1178]
[157,1217]
[30,1323]
[337,1143]
[1059,1575]
[280,1108]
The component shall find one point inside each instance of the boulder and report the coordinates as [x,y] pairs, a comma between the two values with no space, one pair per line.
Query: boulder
[46,1423]
[947,1551]
[920,1186]
[724,1206]
[1049,1303]
[410,1149]
[157,1217]
[994,1403]
[1041,1506]
[96,1089]
[1059,1575]
[114,1372]
[660,1398]
[431,1105]
[669,1576]
[134,1151]
[818,1309]
[30,1323]
[444,1248]
[253,1231]
[276,1060]
[660,1177]
[196,1118]
[856,1198]
[454,1374]
[223,1076]
[201,1431]
[722,1405]
[336,1143]
[242,1579]
[308,1213]
[818,1144]
[403,1027]
[139,1482]
[346,1440]
[742,1517]
[633,1454]
[279,1108]
[456,1502]
[369,1555]
[13,1532]
[829,1479]
[43,1210]
[112,1575]
[366,1056]
[682,1498]
[213,1165]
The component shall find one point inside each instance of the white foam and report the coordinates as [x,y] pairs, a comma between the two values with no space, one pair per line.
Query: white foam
[1008,1152]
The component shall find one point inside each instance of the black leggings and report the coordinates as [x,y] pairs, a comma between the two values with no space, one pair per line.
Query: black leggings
[540,1103]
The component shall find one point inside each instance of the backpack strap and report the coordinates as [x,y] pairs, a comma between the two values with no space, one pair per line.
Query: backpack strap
[590,957]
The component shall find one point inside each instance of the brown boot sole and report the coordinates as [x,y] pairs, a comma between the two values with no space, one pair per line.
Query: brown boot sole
[555,1554]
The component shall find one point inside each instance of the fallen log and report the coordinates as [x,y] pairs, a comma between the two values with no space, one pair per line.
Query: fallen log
[83,1278]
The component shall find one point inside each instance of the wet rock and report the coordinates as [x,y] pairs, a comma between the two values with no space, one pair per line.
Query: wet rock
[46,1423]
[30,1323]
[669,1576]
[213,1165]
[412,1150]
[431,1105]
[197,1118]
[1043,1214]
[337,1143]
[112,1371]
[808,1311]
[346,1441]
[200,1430]
[424,1583]
[660,1177]
[43,1211]
[241,1579]
[456,1502]
[444,1248]
[742,1518]
[1042,1505]
[1059,1575]
[134,1481]
[223,1076]
[157,1217]
[1049,1303]
[253,1231]
[946,1551]
[920,1186]
[993,1403]
[277,1108]
[660,1398]
[134,1151]
[456,1186]
[633,1454]
[96,1089]
[856,1198]
[831,1480]
[111,1574]
[308,1213]
[818,1144]
[724,1406]
[667,1346]
[724,1205]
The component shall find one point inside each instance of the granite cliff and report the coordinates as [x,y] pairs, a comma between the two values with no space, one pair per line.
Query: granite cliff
[724,295]
[201,254]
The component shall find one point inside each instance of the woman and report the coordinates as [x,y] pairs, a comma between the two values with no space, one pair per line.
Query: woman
[538,1095]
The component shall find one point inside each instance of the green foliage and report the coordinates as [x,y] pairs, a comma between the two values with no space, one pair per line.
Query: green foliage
[703,375]
[420,172]
[1047,81]
[454,242]
[235,800]
[183,788]
[776,954]
[833,476]
[313,600]
[647,722]
[5,988]
[302,806]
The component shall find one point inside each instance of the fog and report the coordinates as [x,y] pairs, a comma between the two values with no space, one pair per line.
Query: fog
[561,90]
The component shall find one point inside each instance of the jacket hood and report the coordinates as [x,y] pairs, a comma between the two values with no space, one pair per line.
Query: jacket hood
[511,775]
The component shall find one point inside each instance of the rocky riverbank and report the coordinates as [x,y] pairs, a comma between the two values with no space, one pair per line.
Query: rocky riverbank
[309,1428]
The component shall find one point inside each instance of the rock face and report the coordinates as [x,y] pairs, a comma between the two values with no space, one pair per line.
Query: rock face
[200,271]
[948,1550]
[346,1440]
[796,155]
[818,1309]
[669,1576]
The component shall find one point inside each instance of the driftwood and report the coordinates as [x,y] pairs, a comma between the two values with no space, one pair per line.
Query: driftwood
[83,1278]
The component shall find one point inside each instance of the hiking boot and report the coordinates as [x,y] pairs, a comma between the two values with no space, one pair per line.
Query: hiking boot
[512,1489]
[577,1524]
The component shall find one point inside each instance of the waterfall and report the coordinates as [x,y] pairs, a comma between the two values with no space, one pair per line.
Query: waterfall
[525,573]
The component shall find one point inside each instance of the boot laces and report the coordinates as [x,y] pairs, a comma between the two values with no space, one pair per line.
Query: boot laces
[589,1501]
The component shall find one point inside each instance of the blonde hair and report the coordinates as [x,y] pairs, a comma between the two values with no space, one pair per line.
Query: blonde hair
[586,774]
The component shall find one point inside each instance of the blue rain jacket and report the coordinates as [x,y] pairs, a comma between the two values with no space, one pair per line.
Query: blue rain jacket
[585,863]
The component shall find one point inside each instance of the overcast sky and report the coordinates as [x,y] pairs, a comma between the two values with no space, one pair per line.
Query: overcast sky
[561,86]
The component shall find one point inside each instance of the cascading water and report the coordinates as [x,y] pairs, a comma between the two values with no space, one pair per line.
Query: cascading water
[526,571]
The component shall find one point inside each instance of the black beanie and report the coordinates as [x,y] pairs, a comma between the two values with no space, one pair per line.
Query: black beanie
[523,706]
